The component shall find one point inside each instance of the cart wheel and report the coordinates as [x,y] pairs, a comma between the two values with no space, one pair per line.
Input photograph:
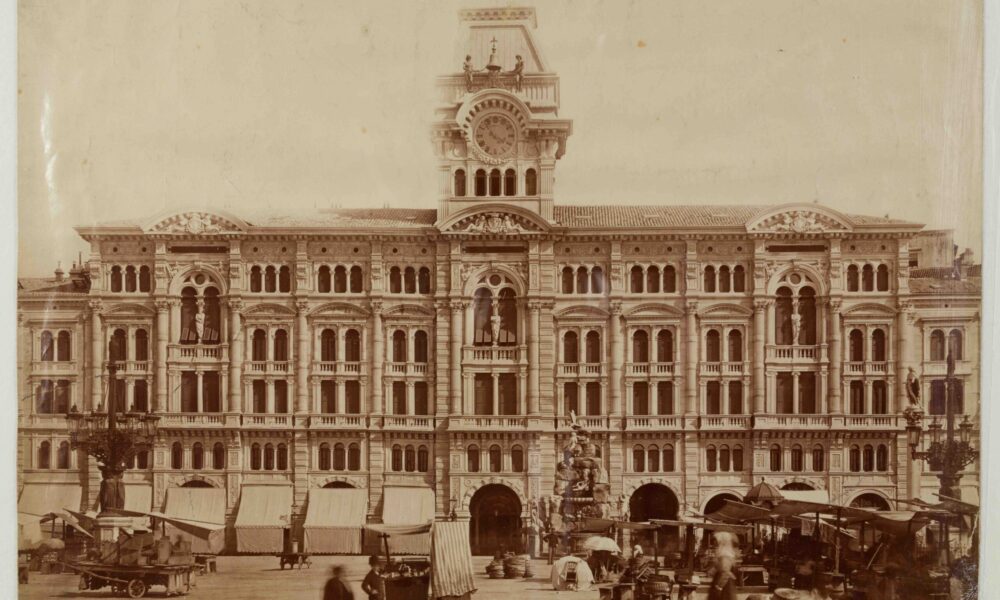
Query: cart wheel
[136,588]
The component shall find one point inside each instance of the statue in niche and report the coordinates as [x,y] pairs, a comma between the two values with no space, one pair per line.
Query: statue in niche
[199,322]
[913,388]
[796,323]
[495,325]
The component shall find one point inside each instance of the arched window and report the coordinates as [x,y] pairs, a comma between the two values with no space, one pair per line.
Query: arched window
[197,456]
[818,456]
[775,458]
[582,281]
[724,283]
[328,346]
[530,183]
[867,279]
[281,345]
[256,279]
[409,280]
[45,455]
[482,311]
[868,458]
[739,279]
[420,346]
[882,278]
[571,350]
[496,459]
[653,459]
[324,280]
[636,280]
[937,345]
[189,308]
[735,346]
[141,345]
[270,279]
[882,458]
[495,182]
[409,459]
[324,457]
[507,307]
[713,351]
[480,182]
[472,458]
[597,280]
[48,350]
[638,459]
[709,279]
[399,346]
[423,459]
[255,457]
[131,281]
[509,183]
[356,284]
[395,280]
[854,459]
[424,280]
[218,456]
[669,279]
[284,279]
[176,456]
[593,342]
[955,344]
[852,278]
[340,279]
[118,347]
[63,346]
[258,347]
[339,462]
[665,346]
[62,456]
[653,280]
[145,281]
[517,459]
[856,345]
[116,279]
[396,461]
[797,458]
[352,346]
[354,457]
[668,458]
[711,464]
[282,457]
[878,345]
[566,280]
[807,310]
[724,458]
[783,317]
[268,457]
[640,347]
[737,458]
[460,183]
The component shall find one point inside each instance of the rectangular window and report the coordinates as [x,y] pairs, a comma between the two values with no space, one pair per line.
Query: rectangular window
[786,403]
[352,393]
[640,399]
[259,396]
[420,405]
[508,394]
[665,398]
[327,397]
[857,391]
[807,393]
[483,390]
[880,398]
[189,392]
[211,392]
[281,396]
[398,398]
[570,398]
[936,405]
[713,399]
[593,398]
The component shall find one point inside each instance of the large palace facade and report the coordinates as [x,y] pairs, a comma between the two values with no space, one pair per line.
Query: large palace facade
[443,353]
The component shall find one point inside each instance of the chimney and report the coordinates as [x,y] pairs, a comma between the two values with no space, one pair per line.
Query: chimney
[80,276]
[60,274]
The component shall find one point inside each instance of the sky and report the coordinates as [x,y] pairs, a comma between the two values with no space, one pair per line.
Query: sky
[129,108]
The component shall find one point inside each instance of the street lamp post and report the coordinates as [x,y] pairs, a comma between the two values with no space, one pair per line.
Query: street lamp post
[113,438]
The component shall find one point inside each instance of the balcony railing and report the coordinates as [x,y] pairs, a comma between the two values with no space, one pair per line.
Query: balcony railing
[51,366]
[337,367]
[791,421]
[654,423]
[868,367]
[338,421]
[260,420]
[191,419]
[590,423]
[537,89]
[198,352]
[654,368]
[407,422]
[492,354]
[402,368]
[581,369]
[495,423]
[725,422]
[793,353]
[871,421]
[722,368]
[268,366]
[133,366]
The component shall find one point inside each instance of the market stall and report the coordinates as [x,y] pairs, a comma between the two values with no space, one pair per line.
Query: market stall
[263,520]
[197,515]
[334,521]
[408,507]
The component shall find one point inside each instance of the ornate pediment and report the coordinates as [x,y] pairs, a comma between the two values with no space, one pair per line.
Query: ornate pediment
[339,309]
[196,223]
[655,310]
[268,310]
[494,223]
[806,219]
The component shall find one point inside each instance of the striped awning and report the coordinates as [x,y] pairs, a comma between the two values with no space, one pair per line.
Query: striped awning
[451,556]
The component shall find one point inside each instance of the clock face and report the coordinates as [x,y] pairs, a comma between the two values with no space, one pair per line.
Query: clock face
[495,135]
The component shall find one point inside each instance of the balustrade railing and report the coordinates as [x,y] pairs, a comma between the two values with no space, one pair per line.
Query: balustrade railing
[486,422]
[657,422]
[725,422]
[492,354]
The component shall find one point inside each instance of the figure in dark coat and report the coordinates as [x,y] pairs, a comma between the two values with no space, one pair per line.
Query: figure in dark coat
[336,588]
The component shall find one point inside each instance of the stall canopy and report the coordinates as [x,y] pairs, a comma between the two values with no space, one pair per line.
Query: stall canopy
[408,506]
[139,498]
[817,496]
[264,515]
[197,515]
[334,519]
[39,499]
[451,555]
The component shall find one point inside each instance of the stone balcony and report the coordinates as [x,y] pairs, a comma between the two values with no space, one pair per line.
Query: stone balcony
[939,368]
[792,355]
[493,355]
[50,367]
[869,368]
[408,422]
[590,423]
[718,369]
[338,368]
[338,422]
[581,370]
[264,367]
[652,368]
[407,368]
[486,422]
[654,423]
[195,354]
[540,90]
[786,422]
[132,367]
[266,421]
[881,422]
[724,422]
[192,420]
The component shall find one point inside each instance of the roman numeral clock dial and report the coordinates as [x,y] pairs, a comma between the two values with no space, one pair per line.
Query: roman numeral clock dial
[495,135]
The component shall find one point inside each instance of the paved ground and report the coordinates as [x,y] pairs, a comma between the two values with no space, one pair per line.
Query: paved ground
[259,578]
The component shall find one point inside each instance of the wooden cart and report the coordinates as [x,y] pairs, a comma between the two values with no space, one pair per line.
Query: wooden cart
[134,581]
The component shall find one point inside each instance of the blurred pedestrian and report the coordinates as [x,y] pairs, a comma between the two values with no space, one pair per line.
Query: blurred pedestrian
[372,585]
[336,588]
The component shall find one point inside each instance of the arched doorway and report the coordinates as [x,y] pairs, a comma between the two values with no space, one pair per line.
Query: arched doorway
[338,485]
[197,483]
[872,501]
[654,501]
[718,501]
[496,520]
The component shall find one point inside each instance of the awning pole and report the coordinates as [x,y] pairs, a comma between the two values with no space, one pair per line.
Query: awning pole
[656,546]
[836,545]
[689,546]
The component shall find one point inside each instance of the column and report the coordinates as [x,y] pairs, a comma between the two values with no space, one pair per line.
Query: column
[617,358]
[654,398]
[96,354]
[269,396]
[496,393]
[797,402]
[377,357]
[302,359]
[199,391]
[235,355]
[902,356]
[162,333]
[341,341]
[270,345]
[691,366]
[868,397]
[175,321]
[129,344]
[129,393]
[456,359]
[533,341]
[340,396]
[760,308]
[410,403]
[834,400]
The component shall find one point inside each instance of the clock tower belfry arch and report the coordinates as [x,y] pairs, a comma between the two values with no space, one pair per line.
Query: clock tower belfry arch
[498,134]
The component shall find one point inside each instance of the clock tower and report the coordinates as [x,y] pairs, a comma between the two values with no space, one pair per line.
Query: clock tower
[498,134]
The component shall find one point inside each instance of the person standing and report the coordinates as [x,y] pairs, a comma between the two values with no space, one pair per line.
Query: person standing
[336,588]
[372,584]
[724,582]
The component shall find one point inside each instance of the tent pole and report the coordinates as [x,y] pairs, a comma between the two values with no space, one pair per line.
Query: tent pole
[689,546]
[836,546]
[656,546]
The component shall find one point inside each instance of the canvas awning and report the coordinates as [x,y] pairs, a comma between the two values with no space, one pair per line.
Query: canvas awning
[39,499]
[334,518]
[451,555]
[197,515]
[700,525]
[139,498]
[817,496]
[408,506]
[265,512]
